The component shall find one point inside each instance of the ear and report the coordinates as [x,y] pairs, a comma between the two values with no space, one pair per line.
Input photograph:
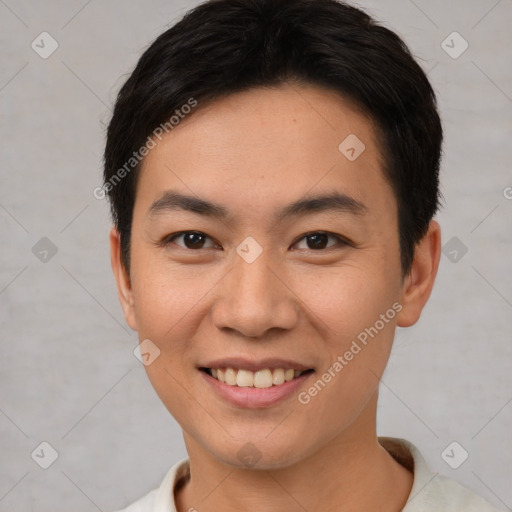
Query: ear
[419,282]
[124,288]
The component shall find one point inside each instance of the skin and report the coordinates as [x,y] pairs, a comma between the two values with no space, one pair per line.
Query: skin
[253,153]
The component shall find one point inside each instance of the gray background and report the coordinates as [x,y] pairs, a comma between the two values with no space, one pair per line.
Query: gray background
[67,369]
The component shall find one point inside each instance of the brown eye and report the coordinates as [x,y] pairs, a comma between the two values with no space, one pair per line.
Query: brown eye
[192,240]
[319,240]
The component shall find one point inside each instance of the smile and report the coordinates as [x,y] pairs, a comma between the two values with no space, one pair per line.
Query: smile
[264,378]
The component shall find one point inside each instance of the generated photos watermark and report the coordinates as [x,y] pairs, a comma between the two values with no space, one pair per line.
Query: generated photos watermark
[304,397]
[138,156]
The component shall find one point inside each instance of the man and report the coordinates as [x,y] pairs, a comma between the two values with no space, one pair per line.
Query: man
[272,168]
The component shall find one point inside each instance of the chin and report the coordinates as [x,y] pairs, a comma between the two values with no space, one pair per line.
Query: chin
[259,453]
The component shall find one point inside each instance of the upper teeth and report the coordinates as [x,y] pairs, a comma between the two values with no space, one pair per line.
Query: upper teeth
[260,379]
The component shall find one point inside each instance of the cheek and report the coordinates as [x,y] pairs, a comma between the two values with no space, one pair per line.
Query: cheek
[345,300]
[356,311]
[355,351]
[169,306]
[166,297]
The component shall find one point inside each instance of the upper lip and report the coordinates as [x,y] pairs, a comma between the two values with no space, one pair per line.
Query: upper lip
[253,365]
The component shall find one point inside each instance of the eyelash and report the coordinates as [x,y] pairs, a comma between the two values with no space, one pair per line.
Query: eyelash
[341,241]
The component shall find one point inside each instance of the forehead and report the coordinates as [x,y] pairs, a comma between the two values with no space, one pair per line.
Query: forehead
[268,146]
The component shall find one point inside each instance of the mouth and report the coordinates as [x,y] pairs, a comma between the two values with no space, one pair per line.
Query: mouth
[262,379]
[251,383]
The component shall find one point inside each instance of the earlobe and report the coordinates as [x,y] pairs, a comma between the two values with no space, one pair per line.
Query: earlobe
[418,284]
[124,288]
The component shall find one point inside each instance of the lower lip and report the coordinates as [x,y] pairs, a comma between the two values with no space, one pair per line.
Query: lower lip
[252,398]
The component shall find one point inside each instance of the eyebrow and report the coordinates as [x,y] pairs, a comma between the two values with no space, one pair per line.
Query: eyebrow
[335,201]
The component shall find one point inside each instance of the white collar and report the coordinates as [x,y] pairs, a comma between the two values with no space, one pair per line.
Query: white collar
[428,491]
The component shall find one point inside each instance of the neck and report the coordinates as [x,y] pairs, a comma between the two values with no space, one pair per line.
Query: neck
[352,472]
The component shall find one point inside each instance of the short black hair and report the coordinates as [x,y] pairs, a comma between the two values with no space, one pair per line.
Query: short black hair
[226,46]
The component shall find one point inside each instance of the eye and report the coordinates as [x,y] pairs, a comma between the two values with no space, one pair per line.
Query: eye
[191,240]
[318,240]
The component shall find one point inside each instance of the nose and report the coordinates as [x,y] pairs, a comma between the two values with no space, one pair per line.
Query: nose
[254,299]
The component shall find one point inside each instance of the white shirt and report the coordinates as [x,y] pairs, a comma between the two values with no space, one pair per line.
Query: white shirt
[430,491]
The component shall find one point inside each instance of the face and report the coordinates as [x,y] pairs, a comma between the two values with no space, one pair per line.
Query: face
[260,245]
